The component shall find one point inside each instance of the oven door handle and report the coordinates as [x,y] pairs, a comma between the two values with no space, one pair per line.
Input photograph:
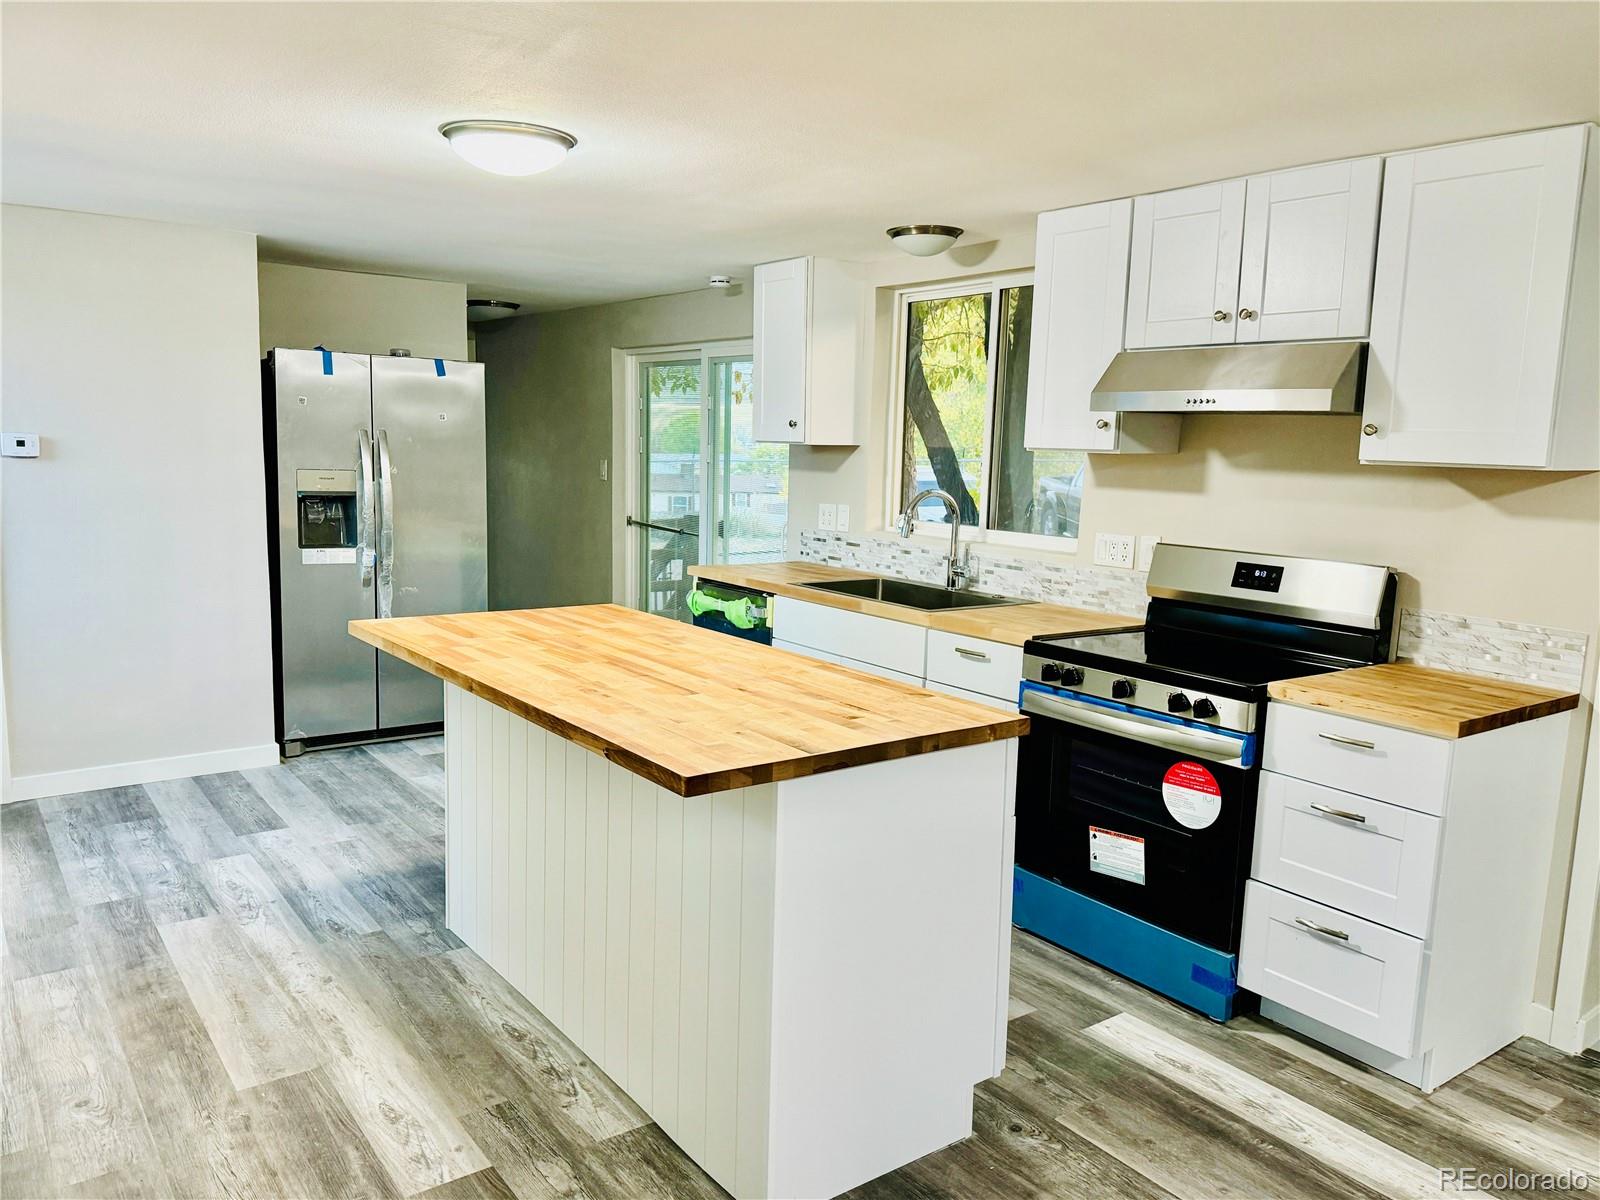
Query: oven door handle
[1213,747]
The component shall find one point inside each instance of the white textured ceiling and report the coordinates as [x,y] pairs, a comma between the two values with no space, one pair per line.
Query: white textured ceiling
[714,136]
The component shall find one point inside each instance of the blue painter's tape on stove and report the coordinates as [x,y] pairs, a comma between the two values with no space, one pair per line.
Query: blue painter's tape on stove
[1193,974]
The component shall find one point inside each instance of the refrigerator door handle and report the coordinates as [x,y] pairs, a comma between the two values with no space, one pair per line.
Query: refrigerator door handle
[367,511]
[385,527]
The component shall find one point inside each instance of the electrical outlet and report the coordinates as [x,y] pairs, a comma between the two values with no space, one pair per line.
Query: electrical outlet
[1147,550]
[843,522]
[827,516]
[1113,550]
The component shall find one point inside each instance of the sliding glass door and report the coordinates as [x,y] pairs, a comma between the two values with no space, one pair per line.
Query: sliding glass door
[707,490]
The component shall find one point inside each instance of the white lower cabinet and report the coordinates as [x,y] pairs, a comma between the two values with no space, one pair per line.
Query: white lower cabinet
[1355,975]
[1397,886]
[971,668]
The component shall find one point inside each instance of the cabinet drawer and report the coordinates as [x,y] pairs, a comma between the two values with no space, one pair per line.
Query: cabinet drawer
[933,685]
[877,640]
[1365,983]
[1363,856]
[1395,765]
[990,668]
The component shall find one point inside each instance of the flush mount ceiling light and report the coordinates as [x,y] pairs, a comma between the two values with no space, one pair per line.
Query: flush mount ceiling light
[490,310]
[924,240]
[508,147]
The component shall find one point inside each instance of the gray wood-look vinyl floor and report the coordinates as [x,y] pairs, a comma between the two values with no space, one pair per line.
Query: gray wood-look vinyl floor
[241,986]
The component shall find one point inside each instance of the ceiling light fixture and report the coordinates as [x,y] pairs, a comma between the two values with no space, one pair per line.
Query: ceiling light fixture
[508,147]
[924,240]
[490,310]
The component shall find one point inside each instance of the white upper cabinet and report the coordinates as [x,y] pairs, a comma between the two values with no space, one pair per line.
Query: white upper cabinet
[1282,257]
[811,322]
[1080,278]
[1306,266]
[1183,277]
[1484,306]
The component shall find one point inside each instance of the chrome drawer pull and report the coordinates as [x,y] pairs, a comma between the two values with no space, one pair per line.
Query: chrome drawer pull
[1340,813]
[1322,929]
[975,655]
[1347,741]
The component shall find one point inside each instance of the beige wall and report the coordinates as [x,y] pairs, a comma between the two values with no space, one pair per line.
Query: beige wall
[555,533]
[303,307]
[134,548]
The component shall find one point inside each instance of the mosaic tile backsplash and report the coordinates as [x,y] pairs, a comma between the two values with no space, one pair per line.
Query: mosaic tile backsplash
[1478,645]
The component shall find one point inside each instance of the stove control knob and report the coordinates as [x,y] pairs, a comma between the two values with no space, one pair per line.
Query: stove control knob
[1050,673]
[1177,702]
[1072,676]
[1204,709]
[1122,689]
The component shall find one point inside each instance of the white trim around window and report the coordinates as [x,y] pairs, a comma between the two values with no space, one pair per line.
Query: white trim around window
[995,284]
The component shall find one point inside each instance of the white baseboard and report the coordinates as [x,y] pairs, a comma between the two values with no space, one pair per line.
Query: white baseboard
[1538,1023]
[150,770]
[1589,1030]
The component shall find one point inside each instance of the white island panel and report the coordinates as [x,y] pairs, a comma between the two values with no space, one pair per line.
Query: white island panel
[801,981]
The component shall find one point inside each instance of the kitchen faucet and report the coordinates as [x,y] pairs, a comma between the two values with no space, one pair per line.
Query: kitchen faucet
[956,572]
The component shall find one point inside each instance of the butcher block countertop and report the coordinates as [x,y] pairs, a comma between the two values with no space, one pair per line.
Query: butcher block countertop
[691,709]
[1423,699]
[1012,624]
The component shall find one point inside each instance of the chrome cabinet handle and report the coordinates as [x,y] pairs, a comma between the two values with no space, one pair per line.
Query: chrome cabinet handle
[794,424]
[1222,315]
[1369,429]
[1340,813]
[975,655]
[1247,314]
[1322,929]
[1102,423]
[1347,741]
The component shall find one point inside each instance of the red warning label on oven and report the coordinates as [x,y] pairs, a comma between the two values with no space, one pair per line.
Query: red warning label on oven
[1120,855]
[1192,795]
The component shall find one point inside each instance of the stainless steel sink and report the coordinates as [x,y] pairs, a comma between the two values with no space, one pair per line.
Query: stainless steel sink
[913,595]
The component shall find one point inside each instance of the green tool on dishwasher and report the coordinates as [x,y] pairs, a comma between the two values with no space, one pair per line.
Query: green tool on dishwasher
[742,612]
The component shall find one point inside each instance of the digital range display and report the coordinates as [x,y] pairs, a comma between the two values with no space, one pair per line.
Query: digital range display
[1258,577]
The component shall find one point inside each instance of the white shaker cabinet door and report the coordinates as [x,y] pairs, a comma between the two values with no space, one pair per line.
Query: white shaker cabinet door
[1080,286]
[1183,278]
[782,345]
[1470,300]
[1309,238]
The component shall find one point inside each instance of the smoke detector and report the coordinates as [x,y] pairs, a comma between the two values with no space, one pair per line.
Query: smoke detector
[720,281]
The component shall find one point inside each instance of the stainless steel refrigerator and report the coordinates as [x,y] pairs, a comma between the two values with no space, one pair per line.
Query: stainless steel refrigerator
[375,494]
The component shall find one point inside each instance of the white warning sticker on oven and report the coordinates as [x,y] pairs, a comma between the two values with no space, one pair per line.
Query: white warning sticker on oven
[1120,855]
[1192,795]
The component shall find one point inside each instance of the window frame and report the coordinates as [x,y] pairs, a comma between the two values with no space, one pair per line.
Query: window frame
[995,284]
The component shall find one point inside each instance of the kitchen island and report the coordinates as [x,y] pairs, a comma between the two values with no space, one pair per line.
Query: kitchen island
[768,895]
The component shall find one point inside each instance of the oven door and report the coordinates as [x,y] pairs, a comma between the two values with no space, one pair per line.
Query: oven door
[1149,814]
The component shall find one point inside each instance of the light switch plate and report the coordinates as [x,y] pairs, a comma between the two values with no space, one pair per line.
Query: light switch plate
[20,445]
[1113,550]
[843,523]
[827,516]
[1147,550]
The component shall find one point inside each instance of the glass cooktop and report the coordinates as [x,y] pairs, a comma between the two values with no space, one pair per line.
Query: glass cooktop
[1238,662]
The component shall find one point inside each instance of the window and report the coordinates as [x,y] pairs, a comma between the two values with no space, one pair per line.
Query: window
[963,412]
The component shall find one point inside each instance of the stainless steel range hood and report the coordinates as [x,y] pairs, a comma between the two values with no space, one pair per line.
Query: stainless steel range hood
[1303,377]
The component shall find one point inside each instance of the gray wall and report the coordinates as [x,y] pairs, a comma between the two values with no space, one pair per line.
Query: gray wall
[367,314]
[552,397]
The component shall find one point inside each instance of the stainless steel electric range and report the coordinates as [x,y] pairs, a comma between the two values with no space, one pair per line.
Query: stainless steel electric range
[1136,790]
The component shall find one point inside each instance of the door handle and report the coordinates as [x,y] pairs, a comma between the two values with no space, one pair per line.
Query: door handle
[366,514]
[974,655]
[1342,814]
[1214,747]
[385,527]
